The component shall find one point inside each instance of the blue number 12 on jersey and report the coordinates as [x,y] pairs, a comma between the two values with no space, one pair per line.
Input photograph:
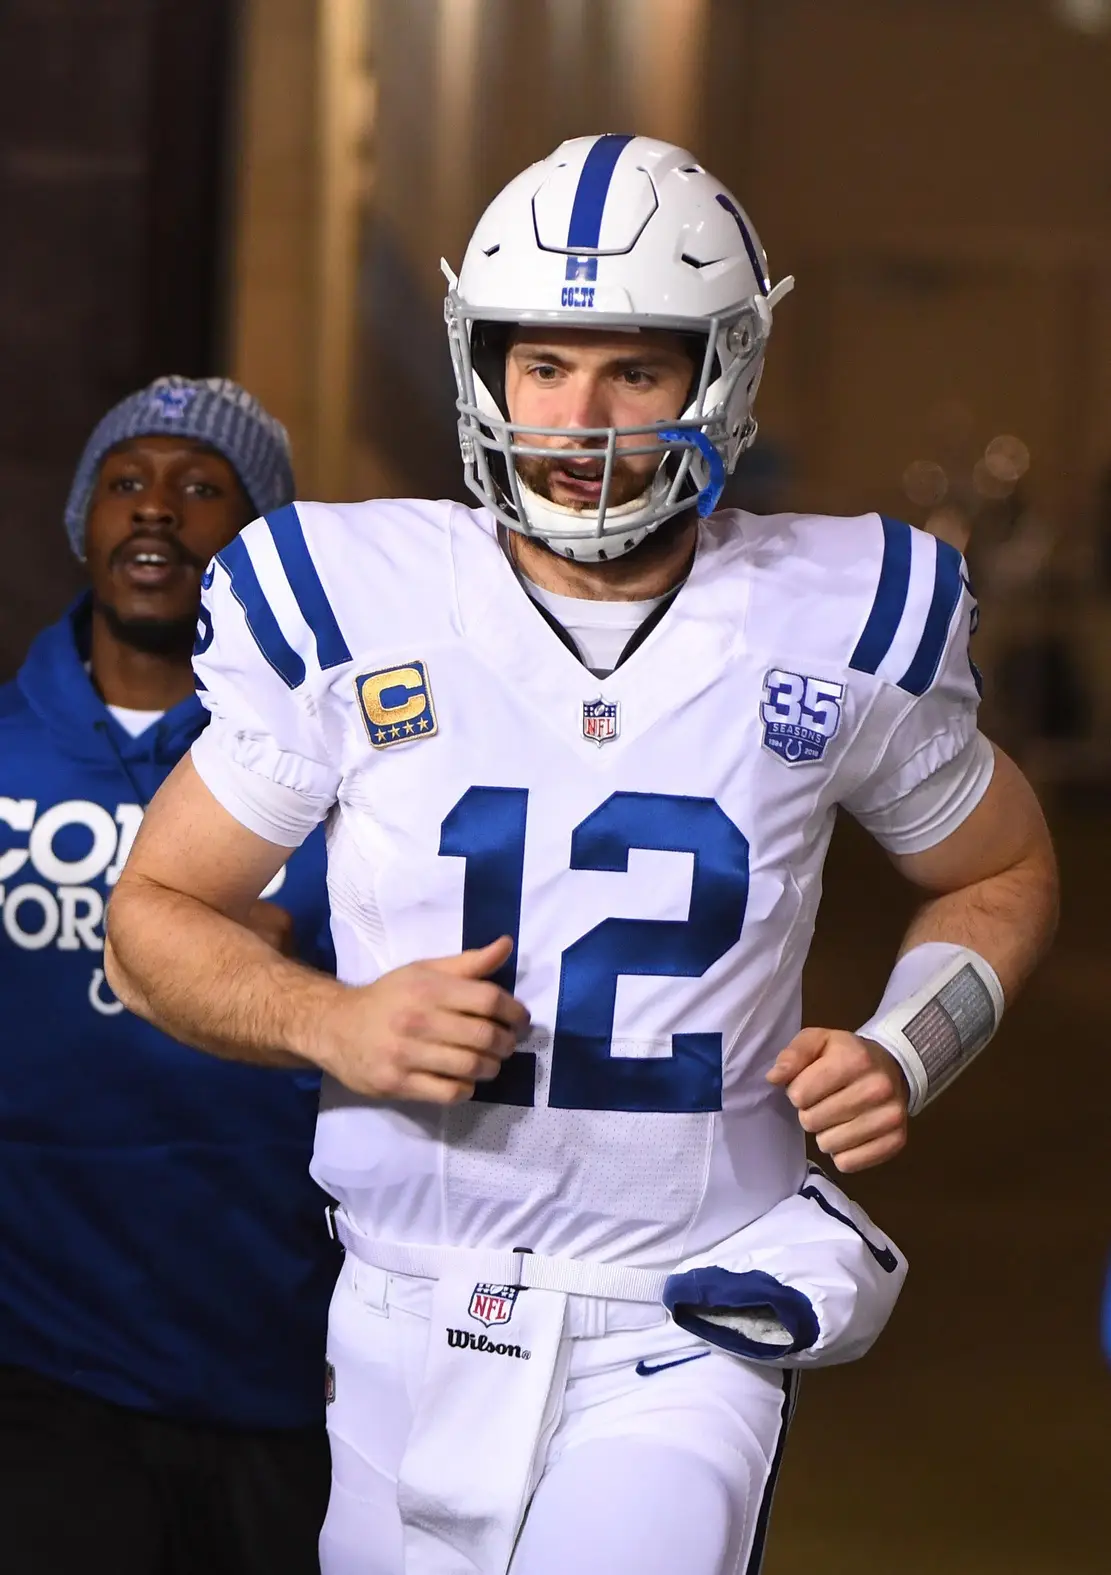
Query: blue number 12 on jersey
[487,828]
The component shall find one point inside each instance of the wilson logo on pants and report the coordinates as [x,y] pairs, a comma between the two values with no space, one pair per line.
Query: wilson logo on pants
[463,1339]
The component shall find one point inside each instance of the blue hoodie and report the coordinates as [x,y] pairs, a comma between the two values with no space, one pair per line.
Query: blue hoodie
[161,1243]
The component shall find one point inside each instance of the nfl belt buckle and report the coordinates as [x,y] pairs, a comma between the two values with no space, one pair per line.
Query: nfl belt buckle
[600,720]
[493,1304]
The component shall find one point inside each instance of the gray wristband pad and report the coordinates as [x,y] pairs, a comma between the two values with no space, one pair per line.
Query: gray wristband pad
[941,1027]
[953,1027]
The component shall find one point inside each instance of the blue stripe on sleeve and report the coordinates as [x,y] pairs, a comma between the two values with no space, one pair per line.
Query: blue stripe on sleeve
[891,599]
[265,632]
[947,593]
[300,571]
[590,196]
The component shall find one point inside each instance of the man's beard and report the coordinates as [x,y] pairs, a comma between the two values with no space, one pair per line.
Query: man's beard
[625,482]
[171,638]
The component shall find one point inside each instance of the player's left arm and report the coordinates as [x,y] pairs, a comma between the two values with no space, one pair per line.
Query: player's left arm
[992,882]
[960,821]
[992,887]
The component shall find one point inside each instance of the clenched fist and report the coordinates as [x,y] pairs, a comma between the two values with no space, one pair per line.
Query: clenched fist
[849,1093]
[429,1031]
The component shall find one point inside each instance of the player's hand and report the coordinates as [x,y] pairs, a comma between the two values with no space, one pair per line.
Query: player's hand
[274,925]
[849,1093]
[429,1031]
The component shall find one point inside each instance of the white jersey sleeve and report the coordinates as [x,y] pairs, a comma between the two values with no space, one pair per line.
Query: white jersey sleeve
[930,766]
[265,637]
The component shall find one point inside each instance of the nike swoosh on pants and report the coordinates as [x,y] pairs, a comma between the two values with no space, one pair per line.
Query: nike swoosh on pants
[644,1371]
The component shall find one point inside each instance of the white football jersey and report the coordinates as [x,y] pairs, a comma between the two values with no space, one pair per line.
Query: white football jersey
[653,841]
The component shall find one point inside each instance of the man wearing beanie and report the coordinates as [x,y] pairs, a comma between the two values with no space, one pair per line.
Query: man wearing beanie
[164,1267]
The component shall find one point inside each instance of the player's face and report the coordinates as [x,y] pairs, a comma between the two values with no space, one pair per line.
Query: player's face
[161,508]
[570,377]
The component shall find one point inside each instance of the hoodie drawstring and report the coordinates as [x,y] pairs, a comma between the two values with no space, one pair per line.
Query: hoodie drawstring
[140,797]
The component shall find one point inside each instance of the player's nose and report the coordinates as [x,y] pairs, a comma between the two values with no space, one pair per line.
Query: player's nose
[587,403]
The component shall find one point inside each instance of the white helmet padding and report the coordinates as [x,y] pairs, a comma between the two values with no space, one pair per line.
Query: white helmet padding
[810,1283]
[612,232]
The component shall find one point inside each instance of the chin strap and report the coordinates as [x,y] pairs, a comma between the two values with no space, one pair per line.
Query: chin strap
[710,495]
[544,520]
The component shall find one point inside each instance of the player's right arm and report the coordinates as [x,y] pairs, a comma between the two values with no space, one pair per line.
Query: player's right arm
[185,894]
[179,948]
[179,952]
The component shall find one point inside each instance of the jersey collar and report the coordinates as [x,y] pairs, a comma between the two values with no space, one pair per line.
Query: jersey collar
[672,662]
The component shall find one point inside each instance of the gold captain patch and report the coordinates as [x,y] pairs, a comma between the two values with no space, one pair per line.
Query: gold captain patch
[396,704]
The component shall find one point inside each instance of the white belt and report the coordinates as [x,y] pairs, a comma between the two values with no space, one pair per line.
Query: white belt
[611,1281]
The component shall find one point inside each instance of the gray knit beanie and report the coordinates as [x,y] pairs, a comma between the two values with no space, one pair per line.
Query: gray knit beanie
[210,410]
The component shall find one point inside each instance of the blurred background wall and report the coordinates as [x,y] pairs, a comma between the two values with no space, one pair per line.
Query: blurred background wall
[266,188]
[116,148]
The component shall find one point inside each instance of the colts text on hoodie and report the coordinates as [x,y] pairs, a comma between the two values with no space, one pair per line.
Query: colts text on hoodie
[161,1243]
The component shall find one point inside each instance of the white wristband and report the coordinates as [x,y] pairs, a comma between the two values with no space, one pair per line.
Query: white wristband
[942,1005]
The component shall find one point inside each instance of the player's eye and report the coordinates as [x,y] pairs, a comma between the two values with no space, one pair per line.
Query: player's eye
[203,489]
[637,377]
[544,372]
[125,484]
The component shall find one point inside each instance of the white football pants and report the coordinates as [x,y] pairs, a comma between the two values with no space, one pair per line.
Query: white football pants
[661,1457]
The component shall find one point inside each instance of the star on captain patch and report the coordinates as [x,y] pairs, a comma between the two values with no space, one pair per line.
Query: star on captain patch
[396,703]
[600,720]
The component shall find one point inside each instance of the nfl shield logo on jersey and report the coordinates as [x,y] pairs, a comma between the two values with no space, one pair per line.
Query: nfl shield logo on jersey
[800,715]
[492,1304]
[600,720]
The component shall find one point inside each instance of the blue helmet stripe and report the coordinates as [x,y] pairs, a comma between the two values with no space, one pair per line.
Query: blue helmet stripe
[312,599]
[750,245]
[590,196]
[265,632]
[947,593]
[891,599]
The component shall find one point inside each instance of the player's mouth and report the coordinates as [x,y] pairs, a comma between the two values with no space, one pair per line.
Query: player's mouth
[580,481]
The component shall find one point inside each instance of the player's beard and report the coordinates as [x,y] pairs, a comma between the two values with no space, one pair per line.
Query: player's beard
[626,483]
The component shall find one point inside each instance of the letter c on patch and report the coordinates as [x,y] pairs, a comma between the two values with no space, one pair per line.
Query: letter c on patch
[394,696]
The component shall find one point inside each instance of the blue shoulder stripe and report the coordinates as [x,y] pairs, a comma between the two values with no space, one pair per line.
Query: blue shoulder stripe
[265,632]
[947,593]
[891,599]
[590,194]
[300,571]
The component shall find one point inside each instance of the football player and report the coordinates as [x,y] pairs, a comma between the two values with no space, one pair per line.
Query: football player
[579,752]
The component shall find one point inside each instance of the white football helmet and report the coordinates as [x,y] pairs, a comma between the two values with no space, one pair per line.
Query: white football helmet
[611,232]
